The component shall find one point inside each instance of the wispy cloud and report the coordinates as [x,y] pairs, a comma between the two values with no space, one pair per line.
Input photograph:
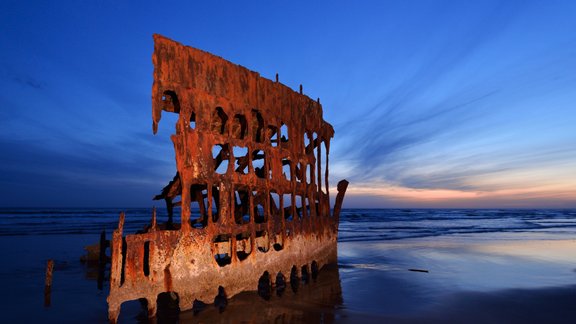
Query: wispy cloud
[29,82]
[436,138]
[443,102]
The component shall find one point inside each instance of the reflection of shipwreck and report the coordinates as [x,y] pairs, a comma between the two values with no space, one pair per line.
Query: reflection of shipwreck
[252,160]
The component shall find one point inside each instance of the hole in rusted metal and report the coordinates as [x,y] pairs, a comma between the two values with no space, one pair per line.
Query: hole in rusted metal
[221,238]
[123,271]
[239,127]
[307,207]
[272,134]
[215,204]
[170,102]
[203,198]
[262,241]
[223,259]
[195,213]
[221,156]
[274,204]
[287,202]
[299,206]
[170,120]
[307,142]
[326,185]
[260,215]
[299,173]
[240,159]
[219,121]
[259,163]
[222,248]
[286,168]
[241,205]
[284,133]
[168,307]
[193,120]
[278,247]
[243,246]
[146,262]
[257,123]
[136,309]
[199,205]
[315,151]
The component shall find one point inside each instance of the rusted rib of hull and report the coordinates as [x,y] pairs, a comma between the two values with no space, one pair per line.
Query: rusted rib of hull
[252,185]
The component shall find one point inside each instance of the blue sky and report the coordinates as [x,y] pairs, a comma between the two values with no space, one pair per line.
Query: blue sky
[434,103]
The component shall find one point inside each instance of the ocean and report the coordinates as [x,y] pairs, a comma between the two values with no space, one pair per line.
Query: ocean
[394,265]
[355,224]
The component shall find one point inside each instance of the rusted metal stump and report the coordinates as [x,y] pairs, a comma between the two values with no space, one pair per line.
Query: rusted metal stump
[251,183]
[48,283]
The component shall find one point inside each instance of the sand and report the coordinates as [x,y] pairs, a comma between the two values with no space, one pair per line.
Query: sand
[495,279]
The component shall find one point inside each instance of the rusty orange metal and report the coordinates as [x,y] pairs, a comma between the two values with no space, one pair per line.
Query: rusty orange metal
[251,183]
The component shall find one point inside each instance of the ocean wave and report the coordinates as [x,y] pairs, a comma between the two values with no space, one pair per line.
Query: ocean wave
[355,224]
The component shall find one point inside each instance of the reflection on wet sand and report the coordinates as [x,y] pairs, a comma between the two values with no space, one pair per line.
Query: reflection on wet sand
[313,298]
[310,301]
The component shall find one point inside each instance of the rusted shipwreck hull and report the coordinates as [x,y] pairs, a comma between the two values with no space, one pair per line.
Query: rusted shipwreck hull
[252,186]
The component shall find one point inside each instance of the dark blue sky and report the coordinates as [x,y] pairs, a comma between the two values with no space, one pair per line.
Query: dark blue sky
[434,103]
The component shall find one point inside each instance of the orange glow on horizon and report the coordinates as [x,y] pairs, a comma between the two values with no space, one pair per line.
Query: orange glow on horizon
[411,193]
[512,196]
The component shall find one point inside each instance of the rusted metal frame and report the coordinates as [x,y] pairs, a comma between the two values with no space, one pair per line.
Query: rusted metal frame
[116,253]
[226,187]
[319,164]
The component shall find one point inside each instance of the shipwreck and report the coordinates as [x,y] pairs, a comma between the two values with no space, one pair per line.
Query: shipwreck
[251,184]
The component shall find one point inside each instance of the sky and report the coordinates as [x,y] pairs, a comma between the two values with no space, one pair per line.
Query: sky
[435,104]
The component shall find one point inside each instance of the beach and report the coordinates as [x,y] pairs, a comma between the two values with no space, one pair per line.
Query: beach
[487,281]
[394,266]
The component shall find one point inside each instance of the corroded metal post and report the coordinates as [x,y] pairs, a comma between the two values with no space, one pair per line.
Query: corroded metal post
[48,283]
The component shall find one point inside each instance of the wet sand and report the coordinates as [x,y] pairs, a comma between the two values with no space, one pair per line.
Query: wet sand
[491,279]
[473,279]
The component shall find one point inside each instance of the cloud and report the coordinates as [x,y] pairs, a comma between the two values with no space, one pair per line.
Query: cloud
[80,174]
[418,108]
[383,140]
[30,82]
[436,138]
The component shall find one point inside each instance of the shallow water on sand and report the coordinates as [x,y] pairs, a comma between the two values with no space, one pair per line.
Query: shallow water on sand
[497,266]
